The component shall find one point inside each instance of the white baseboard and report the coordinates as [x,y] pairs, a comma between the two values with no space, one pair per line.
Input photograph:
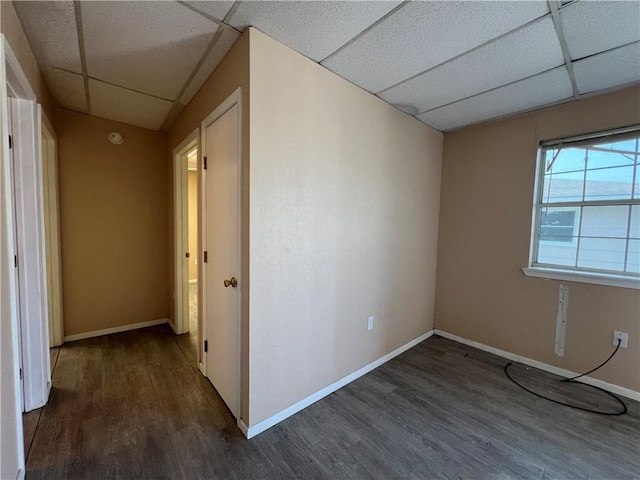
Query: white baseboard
[625,392]
[243,427]
[108,331]
[260,427]
[202,369]
[173,326]
[193,280]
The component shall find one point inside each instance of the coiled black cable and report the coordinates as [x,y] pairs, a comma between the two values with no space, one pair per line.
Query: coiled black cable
[573,380]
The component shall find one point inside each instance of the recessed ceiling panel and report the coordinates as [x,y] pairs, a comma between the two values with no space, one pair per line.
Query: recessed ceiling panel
[148,46]
[52,32]
[219,50]
[425,34]
[608,69]
[122,105]
[593,27]
[314,29]
[67,89]
[216,9]
[498,63]
[543,89]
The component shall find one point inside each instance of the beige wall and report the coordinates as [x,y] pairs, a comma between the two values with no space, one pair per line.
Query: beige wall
[113,208]
[11,28]
[231,73]
[344,218]
[192,200]
[485,222]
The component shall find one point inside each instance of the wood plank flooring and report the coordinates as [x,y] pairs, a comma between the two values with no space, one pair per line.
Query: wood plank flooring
[132,406]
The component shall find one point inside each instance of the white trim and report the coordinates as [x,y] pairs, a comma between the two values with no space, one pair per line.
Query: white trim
[625,392]
[193,280]
[180,232]
[47,140]
[11,389]
[173,326]
[109,331]
[329,389]
[202,368]
[20,474]
[243,427]
[234,99]
[610,280]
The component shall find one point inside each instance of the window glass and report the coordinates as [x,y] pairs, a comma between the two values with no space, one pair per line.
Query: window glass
[588,206]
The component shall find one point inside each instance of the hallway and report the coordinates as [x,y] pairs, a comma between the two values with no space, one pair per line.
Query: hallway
[131,406]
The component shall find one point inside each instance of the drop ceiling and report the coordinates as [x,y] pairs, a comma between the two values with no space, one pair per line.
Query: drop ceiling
[448,63]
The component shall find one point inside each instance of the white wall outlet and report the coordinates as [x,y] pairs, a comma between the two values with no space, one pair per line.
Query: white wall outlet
[622,336]
[370,321]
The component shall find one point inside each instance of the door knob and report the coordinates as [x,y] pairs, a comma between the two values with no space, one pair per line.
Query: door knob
[231,282]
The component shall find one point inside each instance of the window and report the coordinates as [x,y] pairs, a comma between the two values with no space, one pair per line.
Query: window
[587,209]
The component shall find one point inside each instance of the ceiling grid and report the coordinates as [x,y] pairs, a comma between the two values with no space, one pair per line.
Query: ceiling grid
[557,23]
[83,58]
[449,64]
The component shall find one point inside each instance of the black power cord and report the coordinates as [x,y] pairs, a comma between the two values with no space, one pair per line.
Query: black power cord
[573,380]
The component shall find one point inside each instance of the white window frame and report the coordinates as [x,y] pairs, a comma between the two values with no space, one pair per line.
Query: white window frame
[535,269]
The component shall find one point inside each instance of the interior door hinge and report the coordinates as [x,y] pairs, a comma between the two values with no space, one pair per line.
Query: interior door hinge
[10,142]
[20,374]
[204,162]
[15,261]
[205,257]
[206,346]
[187,254]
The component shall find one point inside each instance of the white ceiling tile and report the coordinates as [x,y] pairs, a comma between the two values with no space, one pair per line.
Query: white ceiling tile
[51,29]
[595,26]
[217,9]
[122,105]
[543,89]
[147,46]
[67,88]
[315,29]
[608,69]
[425,34]
[488,67]
[219,50]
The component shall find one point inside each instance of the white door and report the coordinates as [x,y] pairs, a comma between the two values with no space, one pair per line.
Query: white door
[222,247]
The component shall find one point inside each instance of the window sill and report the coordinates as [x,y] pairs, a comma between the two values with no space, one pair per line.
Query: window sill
[583,277]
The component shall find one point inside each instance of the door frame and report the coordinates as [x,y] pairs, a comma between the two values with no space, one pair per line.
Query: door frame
[49,143]
[26,319]
[234,99]
[11,388]
[180,323]
[32,312]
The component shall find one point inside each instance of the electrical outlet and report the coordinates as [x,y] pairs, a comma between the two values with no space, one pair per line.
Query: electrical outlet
[622,336]
[370,321]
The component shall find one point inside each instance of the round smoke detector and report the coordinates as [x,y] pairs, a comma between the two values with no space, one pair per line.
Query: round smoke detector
[116,138]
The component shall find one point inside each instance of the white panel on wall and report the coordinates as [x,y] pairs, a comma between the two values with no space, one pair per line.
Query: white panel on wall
[52,32]
[217,9]
[217,53]
[608,69]
[122,105]
[67,89]
[315,29]
[151,47]
[593,27]
[424,34]
[488,67]
[546,88]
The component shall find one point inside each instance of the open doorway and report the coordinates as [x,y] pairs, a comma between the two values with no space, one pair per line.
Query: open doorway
[186,321]
[192,241]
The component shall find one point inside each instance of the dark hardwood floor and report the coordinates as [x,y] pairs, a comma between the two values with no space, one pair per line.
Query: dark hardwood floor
[132,406]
